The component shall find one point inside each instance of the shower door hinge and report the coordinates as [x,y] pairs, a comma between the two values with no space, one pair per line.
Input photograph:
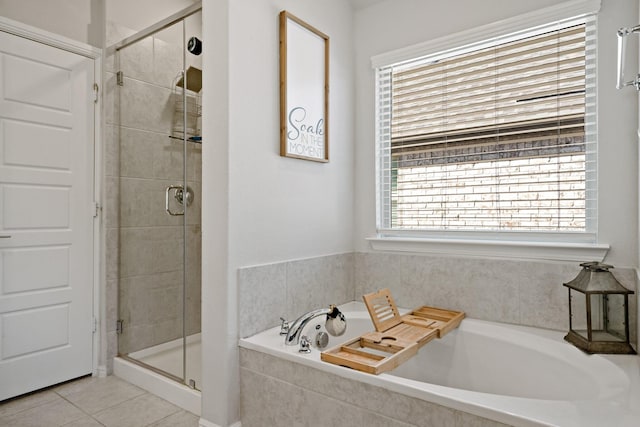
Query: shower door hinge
[119,326]
[120,78]
[94,326]
[95,209]
[95,93]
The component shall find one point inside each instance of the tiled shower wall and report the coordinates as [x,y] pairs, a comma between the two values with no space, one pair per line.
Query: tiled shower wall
[144,243]
[510,291]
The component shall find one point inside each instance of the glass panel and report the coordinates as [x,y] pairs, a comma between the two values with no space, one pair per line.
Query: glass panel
[193,254]
[600,320]
[151,241]
[578,313]
[616,326]
[597,321]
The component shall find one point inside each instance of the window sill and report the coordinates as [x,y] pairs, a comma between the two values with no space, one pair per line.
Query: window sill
[493,249]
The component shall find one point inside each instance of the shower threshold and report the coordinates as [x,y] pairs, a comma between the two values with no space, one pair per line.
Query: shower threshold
[154,369]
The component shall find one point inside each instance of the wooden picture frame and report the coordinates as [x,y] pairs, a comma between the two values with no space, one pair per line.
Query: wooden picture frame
[304,90]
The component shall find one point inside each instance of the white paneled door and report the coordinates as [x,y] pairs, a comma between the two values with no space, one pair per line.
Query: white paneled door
[46,223]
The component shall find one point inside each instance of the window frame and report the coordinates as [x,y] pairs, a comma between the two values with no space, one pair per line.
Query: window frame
[574,246]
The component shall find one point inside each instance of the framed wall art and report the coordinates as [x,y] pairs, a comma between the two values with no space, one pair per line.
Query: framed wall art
[304,90]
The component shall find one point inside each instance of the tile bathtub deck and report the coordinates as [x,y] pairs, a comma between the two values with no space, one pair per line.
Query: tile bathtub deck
[93,402]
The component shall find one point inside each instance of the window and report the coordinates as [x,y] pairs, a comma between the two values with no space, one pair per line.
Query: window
[497,136]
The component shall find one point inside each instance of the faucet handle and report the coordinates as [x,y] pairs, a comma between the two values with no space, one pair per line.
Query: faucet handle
[305,344]
[284,326]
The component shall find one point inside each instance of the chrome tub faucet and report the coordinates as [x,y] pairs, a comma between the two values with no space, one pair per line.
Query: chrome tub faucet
[336,324]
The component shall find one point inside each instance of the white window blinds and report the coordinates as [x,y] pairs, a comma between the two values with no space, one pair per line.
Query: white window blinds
[500,137]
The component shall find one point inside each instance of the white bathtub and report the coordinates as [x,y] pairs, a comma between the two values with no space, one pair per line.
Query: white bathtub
[515,375]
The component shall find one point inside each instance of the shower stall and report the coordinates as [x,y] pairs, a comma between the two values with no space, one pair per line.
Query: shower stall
[157,110]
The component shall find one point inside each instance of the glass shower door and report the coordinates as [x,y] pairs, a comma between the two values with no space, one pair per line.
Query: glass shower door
[159,192]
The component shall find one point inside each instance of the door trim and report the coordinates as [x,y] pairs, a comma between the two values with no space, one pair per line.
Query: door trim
[99,347]
[45,37]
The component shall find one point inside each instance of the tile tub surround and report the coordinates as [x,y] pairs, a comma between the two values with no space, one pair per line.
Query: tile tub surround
[480,368]
[528,293]
[292,288]
[274,392]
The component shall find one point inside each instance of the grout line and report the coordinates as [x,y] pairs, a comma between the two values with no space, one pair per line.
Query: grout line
[93,387]
[168,416]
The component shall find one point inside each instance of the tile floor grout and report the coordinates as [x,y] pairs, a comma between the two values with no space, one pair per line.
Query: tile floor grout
[93,402]
[53,389]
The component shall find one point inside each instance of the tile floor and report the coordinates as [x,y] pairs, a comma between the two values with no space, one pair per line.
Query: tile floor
[93,402]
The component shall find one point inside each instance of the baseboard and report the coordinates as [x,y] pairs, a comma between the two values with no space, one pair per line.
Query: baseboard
[101,372]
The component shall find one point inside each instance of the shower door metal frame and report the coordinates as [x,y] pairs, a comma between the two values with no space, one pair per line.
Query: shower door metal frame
[158,26]
[177,17]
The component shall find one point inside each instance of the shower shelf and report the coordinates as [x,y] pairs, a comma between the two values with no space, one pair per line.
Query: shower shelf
[187,109]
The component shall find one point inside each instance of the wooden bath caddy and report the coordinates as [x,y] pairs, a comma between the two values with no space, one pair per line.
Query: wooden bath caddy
[396,338]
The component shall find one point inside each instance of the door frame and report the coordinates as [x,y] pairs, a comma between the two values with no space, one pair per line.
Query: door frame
[99,347]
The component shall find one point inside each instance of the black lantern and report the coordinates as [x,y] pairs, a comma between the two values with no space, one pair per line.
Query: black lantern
[598,311]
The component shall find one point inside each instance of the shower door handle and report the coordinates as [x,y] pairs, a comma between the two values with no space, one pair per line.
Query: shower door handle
[166,200]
